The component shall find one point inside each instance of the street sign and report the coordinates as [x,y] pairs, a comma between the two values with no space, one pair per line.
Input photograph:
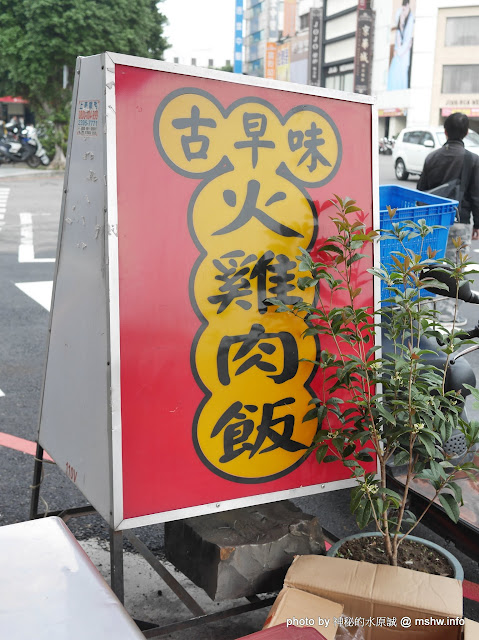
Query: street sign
[172,388]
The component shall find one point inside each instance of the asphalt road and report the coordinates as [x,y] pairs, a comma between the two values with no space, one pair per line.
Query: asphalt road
[28,235]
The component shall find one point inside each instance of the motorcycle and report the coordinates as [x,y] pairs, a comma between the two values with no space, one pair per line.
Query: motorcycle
[386,146]
[22,146]
[459,372]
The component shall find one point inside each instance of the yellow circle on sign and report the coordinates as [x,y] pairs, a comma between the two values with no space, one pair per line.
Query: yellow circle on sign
[190,129]
[311,146]
[255,440]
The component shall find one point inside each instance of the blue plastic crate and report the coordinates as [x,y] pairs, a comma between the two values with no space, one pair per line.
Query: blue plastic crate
[414,205]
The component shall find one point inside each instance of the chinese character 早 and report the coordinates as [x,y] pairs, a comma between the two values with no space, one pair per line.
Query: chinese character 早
[194,145]
[254,125]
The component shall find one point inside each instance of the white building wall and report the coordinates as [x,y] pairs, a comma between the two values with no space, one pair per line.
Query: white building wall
[417,100]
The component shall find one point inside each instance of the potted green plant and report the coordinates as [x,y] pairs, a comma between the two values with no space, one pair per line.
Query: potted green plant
[391,406]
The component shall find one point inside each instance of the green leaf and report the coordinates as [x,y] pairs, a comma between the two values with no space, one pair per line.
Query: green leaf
[456,488]
[385,413]
[311,415]
[330,458]
[321,452]
[450,506]
[363,456]
[402,457]
[363,513]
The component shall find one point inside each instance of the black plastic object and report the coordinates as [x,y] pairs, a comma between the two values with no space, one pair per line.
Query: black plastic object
[439,272]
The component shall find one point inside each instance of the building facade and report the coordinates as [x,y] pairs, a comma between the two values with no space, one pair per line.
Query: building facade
[444,64]
[419,58]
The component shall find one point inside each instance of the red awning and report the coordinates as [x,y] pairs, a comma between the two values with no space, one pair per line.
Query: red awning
[17,99]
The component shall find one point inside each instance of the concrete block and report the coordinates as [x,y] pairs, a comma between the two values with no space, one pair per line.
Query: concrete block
[243,552]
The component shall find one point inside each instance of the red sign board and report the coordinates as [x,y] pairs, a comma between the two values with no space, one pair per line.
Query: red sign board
[172,387]
[219,185]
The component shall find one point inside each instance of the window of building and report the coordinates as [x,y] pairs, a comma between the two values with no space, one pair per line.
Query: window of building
[258,36]
[341,50]
[176,60]
[341,82]
[193,62]
[460,78]
[462,32]
[335,6]
[304,21]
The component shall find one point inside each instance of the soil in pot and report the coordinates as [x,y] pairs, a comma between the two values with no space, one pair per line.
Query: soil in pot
[411,555]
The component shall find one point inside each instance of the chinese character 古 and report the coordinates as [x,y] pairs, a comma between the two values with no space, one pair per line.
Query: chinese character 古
[195,145]
[237,428]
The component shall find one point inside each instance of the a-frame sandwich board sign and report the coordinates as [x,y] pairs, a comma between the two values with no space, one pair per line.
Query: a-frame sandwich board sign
[172,388]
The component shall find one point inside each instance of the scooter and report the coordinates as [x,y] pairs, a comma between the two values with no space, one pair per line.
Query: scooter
[22,146]
[386,146]
[459,372]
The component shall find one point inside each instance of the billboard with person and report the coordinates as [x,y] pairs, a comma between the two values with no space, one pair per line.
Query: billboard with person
[401,44]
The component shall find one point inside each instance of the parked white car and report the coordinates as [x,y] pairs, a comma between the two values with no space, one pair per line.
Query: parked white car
[414,144]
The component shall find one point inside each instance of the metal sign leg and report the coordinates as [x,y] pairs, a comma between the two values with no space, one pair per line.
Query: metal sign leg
[116,564]
[37,480]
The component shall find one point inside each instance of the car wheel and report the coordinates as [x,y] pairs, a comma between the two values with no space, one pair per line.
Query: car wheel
[400,168]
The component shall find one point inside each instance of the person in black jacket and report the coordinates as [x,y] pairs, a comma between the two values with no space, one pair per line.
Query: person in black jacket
[442,166]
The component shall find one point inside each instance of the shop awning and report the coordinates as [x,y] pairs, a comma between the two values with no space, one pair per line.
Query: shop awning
[391,112]
[15,99]
[472,112]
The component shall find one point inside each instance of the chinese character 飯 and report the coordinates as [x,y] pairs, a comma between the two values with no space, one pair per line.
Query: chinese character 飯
[237,428]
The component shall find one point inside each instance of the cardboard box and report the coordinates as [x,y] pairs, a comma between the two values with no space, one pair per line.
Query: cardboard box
[283,632]
[471,630]
[380,594]
[302,609]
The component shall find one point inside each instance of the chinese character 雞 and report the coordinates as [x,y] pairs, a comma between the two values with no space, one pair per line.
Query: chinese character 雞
[235,284]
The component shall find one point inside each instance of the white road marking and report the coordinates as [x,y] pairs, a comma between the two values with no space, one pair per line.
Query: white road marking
[1,394]
[4,192]
[41,292]
[26,250]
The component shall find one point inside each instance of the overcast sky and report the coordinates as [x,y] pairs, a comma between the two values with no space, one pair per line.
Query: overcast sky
[200,29]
